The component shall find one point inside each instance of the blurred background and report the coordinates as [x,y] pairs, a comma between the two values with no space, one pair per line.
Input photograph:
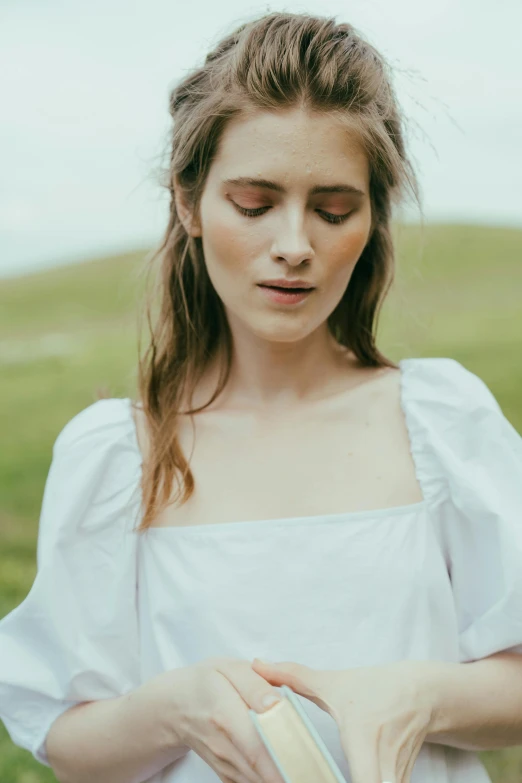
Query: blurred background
[84,91]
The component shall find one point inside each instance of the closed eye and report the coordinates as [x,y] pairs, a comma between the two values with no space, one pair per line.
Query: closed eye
[328,216]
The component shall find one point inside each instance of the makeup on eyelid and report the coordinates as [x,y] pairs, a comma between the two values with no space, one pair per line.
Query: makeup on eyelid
[329,217]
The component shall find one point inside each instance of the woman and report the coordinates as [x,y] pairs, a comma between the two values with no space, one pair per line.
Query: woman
[358,520]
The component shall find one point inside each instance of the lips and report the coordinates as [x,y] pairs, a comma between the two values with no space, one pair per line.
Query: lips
[285,288]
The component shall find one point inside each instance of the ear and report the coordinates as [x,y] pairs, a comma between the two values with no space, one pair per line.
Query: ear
[192,226]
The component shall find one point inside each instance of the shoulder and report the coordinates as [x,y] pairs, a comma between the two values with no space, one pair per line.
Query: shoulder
[93,478]
[455,425]
[444,386]
[105,420]
[141,429]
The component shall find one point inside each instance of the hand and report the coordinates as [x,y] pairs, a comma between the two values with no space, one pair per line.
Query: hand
[212,699]
[383,712]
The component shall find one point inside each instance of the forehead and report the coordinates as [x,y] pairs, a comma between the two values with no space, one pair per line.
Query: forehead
[287,144]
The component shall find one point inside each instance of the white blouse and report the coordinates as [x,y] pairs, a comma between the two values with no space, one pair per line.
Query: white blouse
[440,579]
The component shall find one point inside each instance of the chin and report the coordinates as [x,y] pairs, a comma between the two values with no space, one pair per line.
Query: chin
[279,334]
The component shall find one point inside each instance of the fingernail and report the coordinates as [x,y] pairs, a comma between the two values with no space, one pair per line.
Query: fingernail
[269,699]
[260,660]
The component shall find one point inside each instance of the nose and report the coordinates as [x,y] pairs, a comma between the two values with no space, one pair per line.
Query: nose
[291,242]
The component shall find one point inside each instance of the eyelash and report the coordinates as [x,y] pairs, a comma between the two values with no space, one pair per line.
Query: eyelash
[334,219]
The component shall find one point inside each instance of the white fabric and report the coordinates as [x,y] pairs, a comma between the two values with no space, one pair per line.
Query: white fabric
[435,580]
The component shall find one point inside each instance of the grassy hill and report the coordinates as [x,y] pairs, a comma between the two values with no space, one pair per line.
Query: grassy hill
[70,330]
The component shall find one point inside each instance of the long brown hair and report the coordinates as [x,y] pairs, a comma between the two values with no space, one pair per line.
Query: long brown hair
[280,60]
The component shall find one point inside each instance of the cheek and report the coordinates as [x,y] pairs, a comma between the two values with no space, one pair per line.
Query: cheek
[344,251]
[358,232]
[228,248]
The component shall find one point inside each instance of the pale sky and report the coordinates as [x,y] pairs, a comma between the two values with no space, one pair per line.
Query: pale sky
[84,93]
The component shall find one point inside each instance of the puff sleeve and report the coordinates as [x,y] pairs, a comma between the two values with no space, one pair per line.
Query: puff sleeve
[75,636]
[474,457]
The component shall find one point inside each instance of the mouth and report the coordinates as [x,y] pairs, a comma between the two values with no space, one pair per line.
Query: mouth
[286,288]
[284,295]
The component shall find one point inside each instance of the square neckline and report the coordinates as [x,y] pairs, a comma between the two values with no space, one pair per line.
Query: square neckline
[306,520]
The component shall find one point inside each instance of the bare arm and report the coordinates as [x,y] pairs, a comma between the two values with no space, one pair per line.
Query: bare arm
[478,705]
[127,739]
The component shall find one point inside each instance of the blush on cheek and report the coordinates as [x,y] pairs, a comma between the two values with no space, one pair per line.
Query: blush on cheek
[229,248]
[347,250]
[227,257]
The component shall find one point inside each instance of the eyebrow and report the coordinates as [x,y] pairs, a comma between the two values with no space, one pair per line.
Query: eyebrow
[266,183]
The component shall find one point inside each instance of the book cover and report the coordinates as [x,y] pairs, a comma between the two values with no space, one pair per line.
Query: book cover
[294,744]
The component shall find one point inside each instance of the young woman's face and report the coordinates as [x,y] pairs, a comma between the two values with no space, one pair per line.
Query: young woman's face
[307,219]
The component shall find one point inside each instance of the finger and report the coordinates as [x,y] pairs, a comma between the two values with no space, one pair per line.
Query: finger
[390,776]
[411,761]
[388,765]
[304,680]
[253,689]
[225,758]
[397,755]
[362,757]
[364,768]
[240,750]
[236,770]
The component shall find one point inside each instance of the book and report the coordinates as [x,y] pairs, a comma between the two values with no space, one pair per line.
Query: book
[294,743]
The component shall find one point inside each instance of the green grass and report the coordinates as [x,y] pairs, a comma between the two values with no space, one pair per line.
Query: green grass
[68,331]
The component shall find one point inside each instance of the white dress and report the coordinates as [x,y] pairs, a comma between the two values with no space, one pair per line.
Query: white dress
[439,579]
